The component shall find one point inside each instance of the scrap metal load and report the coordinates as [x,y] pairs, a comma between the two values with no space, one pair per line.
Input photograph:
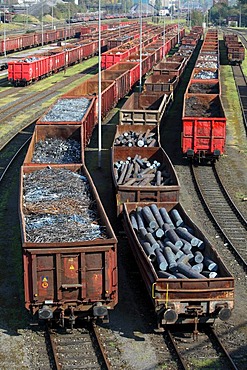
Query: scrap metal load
[204,120]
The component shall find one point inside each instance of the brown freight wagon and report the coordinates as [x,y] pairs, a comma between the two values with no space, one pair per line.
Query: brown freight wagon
[145,108]
[182,300]
[65,280]
[168,191]
[43,133]
[161,83]
[87,120]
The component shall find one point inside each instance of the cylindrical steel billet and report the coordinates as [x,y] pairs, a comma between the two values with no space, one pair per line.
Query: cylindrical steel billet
[186,248]
[140,162]
[149,238]
[149,251]
[139,218]
[149,217]
[200,245]
[146,180]
[157,215]
[136,168]
[130,182]
[165,216]
[177,220]
[133,222]
[122,176]
[159,233]
[198,257]
[170,257]
[187,271]
[128,173]
[142,233]
[165,275]
[209,274]
[158,178]
[179,275]
[187,236]
[178,253]
[152,143]
[211,265]
[174,238]
[166,227]
[198,267]
[185,258]
[161,260]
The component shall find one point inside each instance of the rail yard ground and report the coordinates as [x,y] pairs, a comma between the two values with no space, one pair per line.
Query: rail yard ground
[132,322]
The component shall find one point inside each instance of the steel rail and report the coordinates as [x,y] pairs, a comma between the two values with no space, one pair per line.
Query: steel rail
[17,152]
[241,85]
[221,209]
[211,332]
[96,334]
[176,349]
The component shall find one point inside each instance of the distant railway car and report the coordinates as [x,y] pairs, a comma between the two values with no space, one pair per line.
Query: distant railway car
[67,274]
[235,49]
[182,289]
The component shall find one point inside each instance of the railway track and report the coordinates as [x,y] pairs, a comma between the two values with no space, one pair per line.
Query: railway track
[222,210]
[81,348]
[31,104]
[241,85]
[12,149]
[207,344]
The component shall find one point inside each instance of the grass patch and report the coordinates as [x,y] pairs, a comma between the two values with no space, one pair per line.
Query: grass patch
[206,364]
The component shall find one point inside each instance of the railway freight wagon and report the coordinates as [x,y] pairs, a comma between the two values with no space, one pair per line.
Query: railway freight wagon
[27,70]
[185,278]
[203,117]
[235,49]
[69,248]
[34,39]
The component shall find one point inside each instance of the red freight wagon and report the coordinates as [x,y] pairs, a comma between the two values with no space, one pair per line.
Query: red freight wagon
[23,73]
[27,41]
[132,67]
[11,44]
[112,57]
[122,81]
[67,280]
[204,134]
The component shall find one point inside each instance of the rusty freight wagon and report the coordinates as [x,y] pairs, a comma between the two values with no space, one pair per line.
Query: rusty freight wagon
[186,280]
[143,174]
[69,248]
[145,108]
[53,144]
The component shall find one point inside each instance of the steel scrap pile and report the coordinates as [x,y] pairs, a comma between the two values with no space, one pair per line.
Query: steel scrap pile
[54,150]
[171,245]
[58,207]
[67,110]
